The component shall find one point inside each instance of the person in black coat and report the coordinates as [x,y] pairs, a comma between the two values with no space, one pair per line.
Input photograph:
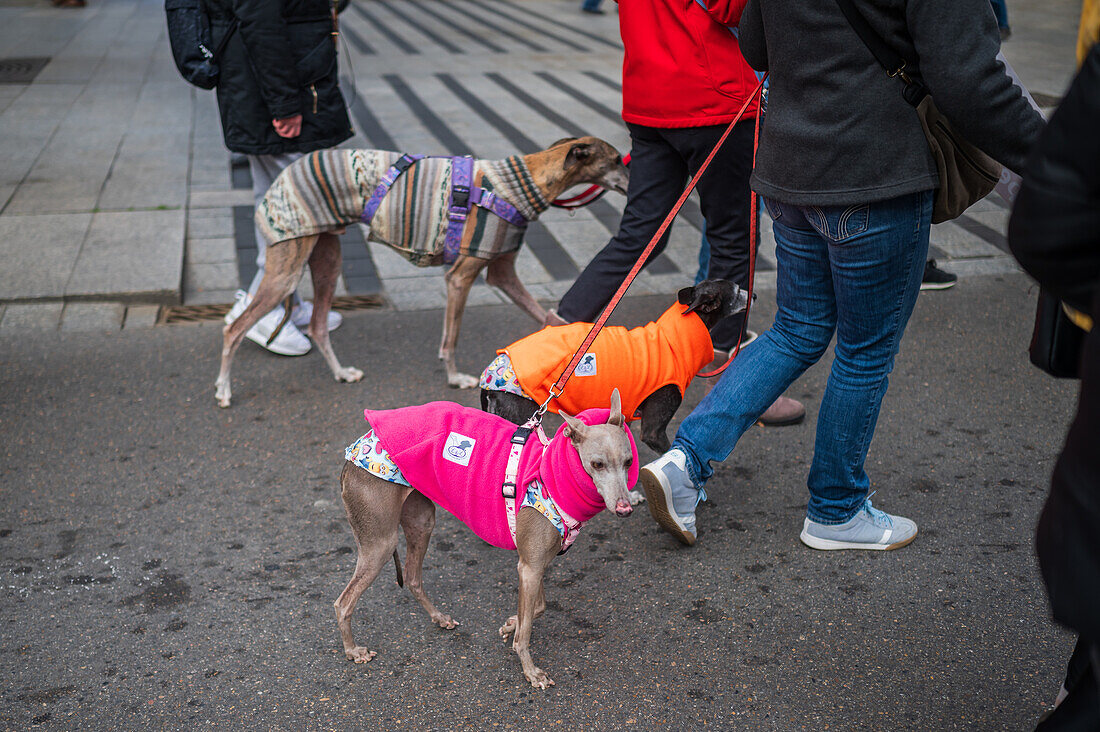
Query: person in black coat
[1054,232]
[279,97]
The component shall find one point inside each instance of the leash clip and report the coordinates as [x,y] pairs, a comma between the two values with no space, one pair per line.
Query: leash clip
[545,405]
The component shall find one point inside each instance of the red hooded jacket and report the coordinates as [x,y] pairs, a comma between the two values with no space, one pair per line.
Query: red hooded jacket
[682,66]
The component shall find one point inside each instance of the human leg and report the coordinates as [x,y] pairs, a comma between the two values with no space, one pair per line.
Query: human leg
[290,341]
[799,336]
[876,255]
[657,173]
[803,327]
[265,169]
[724,199]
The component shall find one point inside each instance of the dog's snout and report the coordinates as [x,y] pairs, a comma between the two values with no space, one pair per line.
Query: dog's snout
[623,508]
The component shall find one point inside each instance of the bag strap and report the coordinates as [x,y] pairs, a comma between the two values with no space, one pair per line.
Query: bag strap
[890,60]
[225,40]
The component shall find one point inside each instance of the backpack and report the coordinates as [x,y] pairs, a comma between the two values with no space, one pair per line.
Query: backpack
[190,38]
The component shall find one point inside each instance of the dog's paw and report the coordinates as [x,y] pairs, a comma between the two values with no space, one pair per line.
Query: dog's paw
[222,394]
[445,621]
[509,627]
[359,654]
[349,374]
[635,497]
[539,679]
[462,381]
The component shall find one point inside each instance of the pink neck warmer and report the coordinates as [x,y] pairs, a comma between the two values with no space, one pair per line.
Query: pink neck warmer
[561,471]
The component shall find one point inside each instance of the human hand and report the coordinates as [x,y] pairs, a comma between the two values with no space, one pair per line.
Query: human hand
[288,126]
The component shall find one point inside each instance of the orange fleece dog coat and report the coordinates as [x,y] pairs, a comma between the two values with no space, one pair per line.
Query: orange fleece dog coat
[638,361]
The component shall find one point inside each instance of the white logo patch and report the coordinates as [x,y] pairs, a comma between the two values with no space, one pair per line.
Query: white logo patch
[459,448]
[587,366]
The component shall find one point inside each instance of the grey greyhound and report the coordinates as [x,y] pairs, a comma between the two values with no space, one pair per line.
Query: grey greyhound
[377,506]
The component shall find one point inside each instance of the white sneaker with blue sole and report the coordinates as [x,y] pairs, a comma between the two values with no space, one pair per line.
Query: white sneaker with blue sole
[870,528]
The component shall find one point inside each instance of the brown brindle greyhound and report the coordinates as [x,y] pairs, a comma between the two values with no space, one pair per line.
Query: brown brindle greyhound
[565,164]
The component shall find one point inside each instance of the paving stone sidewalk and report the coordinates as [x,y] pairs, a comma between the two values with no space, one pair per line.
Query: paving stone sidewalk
[117,195]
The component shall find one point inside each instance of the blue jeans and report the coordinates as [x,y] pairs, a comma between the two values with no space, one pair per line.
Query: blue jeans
[1000,9]
[850,270]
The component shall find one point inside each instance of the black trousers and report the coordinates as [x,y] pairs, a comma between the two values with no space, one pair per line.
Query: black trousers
[661,162]
[1068,544]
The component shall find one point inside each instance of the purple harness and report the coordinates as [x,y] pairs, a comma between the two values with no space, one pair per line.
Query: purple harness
[463,195]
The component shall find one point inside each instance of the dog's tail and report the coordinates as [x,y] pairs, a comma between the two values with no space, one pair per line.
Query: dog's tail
[397,566]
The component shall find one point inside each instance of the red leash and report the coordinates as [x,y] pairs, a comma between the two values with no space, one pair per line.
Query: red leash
[559,386]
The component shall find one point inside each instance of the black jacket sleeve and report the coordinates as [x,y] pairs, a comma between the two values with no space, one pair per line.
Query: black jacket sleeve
[1054,231]
[267,42]
[750,36]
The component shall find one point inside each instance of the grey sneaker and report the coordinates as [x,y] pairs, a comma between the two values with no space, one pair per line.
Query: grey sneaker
[671,496]
[868,529]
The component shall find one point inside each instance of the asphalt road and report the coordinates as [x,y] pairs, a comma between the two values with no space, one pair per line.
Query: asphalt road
[168,564]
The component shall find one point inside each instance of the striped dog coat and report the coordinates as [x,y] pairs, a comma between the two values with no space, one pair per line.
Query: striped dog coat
[328,189]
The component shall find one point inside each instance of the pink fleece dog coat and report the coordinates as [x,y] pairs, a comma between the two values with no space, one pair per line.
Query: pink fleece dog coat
[456,456]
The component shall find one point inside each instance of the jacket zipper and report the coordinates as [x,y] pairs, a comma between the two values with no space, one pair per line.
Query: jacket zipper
[313,90]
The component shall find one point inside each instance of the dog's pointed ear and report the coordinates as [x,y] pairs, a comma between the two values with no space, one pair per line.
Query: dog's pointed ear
[562,141]
[582,152]
[697,298]
[616,416]
[574,428]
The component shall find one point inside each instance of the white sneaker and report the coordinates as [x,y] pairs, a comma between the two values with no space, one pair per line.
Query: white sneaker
[301,313]
[289,342]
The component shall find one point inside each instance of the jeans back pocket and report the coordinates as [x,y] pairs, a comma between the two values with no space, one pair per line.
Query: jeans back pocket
[838,223]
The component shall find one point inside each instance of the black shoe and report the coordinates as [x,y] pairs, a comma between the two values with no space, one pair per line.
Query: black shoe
[935,278]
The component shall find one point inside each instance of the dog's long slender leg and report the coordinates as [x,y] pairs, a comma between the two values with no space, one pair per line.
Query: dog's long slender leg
[418,520]
[538,543]
[282,271]
[509,626]
[460,278]
[374,512]
[657,410]
[324,267]
[502,273]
